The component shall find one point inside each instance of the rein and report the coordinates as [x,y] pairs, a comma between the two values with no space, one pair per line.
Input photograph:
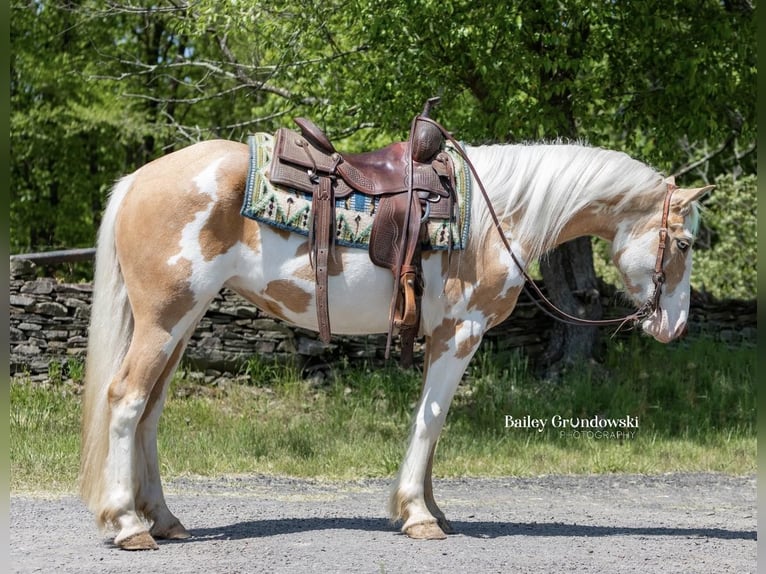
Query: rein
[530,287]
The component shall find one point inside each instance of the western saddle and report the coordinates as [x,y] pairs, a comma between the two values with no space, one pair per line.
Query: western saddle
[413,182]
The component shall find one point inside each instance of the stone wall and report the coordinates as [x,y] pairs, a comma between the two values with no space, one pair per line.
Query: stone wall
[49,322]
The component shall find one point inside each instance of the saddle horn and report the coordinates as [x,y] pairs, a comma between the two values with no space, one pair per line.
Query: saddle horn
[427,139]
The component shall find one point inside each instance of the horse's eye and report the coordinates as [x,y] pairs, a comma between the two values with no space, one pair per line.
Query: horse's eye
[683,245]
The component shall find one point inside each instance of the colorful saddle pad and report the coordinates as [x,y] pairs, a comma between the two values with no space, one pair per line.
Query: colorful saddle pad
[289,209]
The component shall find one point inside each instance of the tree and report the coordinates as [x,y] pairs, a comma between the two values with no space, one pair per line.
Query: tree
[672,83]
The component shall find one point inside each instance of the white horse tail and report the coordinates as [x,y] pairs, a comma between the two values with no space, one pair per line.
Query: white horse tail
[109,336]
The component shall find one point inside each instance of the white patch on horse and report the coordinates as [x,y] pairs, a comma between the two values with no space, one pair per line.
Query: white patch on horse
[637,260]
[190,247]
[514,278]
[354,296]
[204,280]
[669,321]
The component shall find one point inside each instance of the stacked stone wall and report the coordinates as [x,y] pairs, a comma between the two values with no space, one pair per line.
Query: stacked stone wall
[49,325]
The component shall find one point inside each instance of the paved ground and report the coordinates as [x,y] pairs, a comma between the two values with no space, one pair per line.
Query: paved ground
[672,523]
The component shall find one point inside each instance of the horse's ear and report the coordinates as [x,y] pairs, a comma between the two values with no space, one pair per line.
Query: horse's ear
[684,197]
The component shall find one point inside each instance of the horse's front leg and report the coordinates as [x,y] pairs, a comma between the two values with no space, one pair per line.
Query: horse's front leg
[441,519]
[448,352]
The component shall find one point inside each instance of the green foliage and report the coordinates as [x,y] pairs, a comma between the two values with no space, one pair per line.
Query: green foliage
[98,90]
[702,389]
[725,255]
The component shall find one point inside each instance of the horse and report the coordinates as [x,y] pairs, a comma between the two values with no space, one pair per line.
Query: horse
[172,236]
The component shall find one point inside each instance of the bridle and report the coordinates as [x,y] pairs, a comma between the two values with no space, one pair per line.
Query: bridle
[651,305]
[548,307]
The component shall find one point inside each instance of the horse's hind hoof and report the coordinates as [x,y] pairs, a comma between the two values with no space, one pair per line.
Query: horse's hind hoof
[425,531]
[445,525]
[175,531]
[138,541]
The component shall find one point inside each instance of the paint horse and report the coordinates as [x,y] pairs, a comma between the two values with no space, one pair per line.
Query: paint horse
[172,236]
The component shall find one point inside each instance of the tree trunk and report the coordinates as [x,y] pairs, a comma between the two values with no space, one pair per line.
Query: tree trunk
[571,284]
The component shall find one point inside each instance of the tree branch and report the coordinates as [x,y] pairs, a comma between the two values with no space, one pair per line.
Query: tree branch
[695,164]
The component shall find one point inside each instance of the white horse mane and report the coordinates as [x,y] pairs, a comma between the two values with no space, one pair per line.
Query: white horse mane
[550,182]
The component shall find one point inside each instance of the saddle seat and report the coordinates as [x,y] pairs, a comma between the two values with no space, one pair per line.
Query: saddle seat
[385,170]
[412,181]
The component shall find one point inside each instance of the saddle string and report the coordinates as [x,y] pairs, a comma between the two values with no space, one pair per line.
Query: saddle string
[530,286]
[403,241]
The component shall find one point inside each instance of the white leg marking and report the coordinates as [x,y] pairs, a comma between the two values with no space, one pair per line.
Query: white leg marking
[120,465]
[442,380]
[150,491]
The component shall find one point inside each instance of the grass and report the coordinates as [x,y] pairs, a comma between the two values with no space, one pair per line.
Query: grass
[695,402]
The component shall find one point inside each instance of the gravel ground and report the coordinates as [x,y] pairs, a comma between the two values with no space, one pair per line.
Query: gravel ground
[649,524]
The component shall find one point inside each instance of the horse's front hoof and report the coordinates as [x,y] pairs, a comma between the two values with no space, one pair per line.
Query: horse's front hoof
[175,531]
[138,541]
[425,531]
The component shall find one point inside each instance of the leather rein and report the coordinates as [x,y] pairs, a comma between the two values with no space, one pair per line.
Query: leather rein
[548,307]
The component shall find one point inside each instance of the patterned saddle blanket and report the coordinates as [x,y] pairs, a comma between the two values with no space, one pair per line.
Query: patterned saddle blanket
[290,209]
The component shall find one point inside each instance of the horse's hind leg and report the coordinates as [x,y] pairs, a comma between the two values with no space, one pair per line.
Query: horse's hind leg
[150,499]
[135,396]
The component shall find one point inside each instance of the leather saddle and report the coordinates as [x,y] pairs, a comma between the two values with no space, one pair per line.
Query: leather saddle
[413,182]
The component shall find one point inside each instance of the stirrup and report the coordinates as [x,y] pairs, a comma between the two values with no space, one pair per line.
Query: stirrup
[409,315]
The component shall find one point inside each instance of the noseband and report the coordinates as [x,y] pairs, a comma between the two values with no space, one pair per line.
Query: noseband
[658,277]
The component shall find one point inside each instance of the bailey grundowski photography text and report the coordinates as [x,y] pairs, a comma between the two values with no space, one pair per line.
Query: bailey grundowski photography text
[596,427]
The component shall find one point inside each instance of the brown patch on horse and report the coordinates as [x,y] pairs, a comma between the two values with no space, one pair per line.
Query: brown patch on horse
[283,233]
[156,392]
[438,340]
[289,295]
[166,302]
[177,300]
[467,346]
[251,235]
[140,238]
[490,296]
[219,234]
[590,221]
[502,307]
[675,267]
[271,308]
[675,259]
[486,274]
